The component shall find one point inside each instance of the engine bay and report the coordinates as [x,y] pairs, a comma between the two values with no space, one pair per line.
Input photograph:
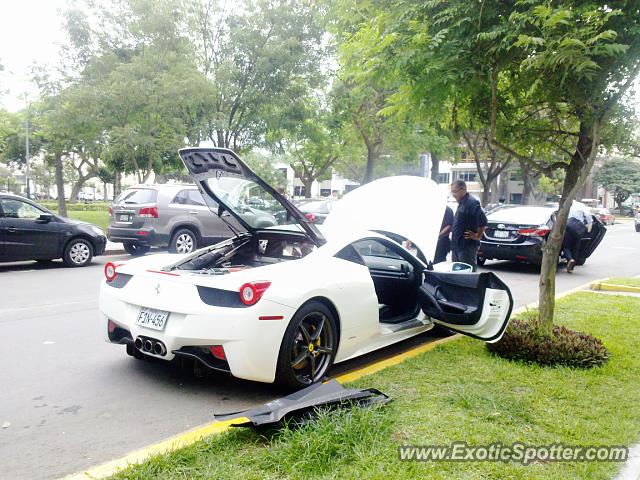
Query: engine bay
[248,251]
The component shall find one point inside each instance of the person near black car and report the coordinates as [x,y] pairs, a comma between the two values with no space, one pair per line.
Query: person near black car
[578,224]
[444,243]
[468,225]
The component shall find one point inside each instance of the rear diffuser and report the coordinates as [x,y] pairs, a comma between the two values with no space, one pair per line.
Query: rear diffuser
[301,405]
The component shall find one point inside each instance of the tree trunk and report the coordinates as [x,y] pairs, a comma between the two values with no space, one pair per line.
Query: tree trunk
[105,192]
[75,190]
[371,160]
[62,204]
[494,191]
[527,189]
[117,183]
[486,195]
[435,167]
[307,182]
[502,186]
[576,174]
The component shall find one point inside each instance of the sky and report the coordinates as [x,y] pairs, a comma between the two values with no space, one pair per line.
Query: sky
[30,31]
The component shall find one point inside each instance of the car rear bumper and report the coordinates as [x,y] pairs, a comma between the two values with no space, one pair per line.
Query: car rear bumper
[141,236]
[529,252]
[251,345]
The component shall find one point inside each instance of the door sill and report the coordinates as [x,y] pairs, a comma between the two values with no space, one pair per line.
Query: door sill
[389,328]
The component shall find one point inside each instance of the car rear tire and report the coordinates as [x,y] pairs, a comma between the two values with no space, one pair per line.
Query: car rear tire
[135,249]
[78,253]
[183,241]
[308,347]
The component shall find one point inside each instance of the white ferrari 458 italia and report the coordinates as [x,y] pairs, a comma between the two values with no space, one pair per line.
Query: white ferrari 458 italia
[282,301]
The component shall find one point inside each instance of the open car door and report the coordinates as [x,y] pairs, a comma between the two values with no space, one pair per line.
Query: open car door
[475,304]
[590,241]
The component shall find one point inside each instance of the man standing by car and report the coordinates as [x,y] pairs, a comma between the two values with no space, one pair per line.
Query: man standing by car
[468,225]
[579,223]
[444,244]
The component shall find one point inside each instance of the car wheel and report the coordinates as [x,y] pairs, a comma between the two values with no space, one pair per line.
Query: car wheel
[136,249]
[78,253]
[183,241]
[308,347]
[638,227]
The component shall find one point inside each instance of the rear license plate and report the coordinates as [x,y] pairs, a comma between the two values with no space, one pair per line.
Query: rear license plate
[501,234]
[123,218]
[153,319]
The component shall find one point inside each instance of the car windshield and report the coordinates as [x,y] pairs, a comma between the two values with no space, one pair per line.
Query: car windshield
[255,205]
[137,195]
[522,215]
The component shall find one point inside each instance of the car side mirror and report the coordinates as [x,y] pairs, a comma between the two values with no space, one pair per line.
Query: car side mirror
[461,267]
[45,218]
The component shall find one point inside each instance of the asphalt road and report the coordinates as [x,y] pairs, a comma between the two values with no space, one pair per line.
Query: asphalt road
[69,400]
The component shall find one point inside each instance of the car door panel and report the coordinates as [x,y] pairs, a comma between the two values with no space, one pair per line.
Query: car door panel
[30,239]
[475,304]
[591,240]
[3,238]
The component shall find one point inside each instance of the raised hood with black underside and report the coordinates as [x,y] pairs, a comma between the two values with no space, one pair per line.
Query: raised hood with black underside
[227,183]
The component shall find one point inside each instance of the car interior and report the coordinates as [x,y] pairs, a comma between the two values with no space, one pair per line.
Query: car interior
[395,279]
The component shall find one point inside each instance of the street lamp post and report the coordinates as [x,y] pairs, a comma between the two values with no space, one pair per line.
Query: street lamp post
[26,146]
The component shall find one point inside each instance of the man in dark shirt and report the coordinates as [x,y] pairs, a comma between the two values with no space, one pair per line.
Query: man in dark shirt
[468,226]
[444,244]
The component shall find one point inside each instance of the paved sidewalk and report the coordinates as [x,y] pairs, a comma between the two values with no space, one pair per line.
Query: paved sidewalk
[114,248]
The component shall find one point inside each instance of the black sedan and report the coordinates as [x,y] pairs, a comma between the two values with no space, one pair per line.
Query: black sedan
[29,231]
[517,233]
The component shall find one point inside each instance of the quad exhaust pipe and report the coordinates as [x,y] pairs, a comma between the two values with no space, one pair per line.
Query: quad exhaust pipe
[150,345]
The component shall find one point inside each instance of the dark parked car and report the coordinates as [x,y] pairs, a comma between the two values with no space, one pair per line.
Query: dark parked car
[29,231]
[517,233]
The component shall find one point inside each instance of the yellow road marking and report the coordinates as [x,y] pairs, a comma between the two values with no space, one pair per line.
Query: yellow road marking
[395,360]
[610,287]
[182,440]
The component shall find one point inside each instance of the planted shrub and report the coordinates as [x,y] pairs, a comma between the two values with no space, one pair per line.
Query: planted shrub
[521,341]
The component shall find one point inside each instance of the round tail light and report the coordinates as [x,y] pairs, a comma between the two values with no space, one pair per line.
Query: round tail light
[110,271]
[251,292]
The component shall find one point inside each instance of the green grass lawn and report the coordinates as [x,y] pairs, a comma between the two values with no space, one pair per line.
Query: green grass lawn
[630,282]
[456,392]
[100,219]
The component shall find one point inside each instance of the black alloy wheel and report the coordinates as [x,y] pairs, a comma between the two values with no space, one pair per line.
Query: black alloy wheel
[308,347]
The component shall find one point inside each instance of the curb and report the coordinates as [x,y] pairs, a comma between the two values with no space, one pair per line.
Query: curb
[610,287]
[191,436]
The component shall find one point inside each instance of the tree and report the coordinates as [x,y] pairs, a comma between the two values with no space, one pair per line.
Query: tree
[545,78]
[254,57]
[620,176]
[489,161]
